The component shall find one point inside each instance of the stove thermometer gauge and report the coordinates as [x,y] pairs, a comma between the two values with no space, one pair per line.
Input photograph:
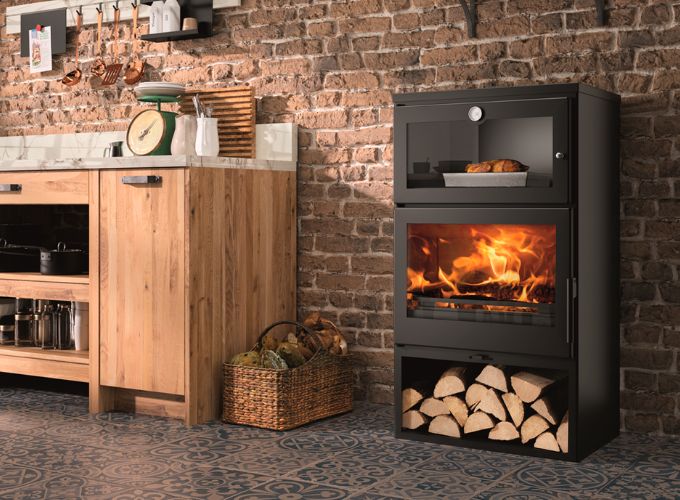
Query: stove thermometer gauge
[475,113]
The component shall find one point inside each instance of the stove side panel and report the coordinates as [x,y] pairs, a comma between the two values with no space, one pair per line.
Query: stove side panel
[597,272]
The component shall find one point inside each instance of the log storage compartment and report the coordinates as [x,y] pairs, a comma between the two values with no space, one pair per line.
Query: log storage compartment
[506,295]
[486,405]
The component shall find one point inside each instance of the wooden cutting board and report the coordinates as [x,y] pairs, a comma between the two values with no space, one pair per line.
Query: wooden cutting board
[235,108]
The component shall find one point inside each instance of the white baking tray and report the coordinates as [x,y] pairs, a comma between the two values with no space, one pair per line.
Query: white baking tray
[487,179]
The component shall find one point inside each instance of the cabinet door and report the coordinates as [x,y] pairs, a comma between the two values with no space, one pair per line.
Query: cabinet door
[142,292]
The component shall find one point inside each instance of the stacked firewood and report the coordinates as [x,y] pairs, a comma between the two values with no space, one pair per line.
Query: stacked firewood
[521,410]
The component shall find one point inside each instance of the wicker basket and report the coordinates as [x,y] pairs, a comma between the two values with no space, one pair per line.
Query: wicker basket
[286,399]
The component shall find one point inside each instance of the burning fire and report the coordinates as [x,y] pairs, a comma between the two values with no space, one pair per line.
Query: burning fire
[503,262]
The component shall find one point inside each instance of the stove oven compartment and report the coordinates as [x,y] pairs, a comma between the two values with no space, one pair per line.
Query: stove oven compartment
[485,278]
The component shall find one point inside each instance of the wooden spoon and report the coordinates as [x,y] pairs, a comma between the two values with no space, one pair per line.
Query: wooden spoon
[99,66]
[113,70]
[73,78]
[135,68]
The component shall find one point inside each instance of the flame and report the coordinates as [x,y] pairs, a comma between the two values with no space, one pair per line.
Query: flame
[504,262]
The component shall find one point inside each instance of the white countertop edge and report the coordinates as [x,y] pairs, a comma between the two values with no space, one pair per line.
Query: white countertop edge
[131,162]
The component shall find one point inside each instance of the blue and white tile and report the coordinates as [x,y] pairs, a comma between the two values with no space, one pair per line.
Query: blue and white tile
[348,472]
[318,442]
[550,475]
[192,451]
[19,476]
[639,486]
[267,458]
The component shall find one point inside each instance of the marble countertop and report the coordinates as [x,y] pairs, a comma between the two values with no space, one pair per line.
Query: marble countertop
[130,162]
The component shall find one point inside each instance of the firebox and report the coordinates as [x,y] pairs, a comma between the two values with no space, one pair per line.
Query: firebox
[506,264]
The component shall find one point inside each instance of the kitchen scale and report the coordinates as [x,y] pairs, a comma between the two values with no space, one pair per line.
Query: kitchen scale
[150,132]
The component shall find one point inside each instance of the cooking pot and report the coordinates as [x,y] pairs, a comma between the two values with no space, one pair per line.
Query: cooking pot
[61,261]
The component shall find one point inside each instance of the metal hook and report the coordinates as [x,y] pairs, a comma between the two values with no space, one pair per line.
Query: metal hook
[99,9]
[134,4]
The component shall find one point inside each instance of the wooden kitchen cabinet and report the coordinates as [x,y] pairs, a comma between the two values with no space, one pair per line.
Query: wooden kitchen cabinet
[183,274]
[141,284]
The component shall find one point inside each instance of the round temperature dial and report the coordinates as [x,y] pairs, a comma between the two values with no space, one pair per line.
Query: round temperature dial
[475,113]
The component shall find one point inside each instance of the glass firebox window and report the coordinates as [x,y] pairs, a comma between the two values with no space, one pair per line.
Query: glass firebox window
[446,147]
[482,272]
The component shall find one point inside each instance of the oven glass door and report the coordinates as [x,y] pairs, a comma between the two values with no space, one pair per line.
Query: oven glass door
[490,279]
[434,144]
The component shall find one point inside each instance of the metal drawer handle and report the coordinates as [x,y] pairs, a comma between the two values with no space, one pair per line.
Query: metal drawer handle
[142,179]
[481,357]
[10,188]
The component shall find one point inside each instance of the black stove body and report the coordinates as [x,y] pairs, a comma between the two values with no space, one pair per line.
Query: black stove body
[521,271]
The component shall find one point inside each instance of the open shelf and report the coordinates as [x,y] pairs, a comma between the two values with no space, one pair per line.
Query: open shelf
[61,365]
[38,286]
[172,36]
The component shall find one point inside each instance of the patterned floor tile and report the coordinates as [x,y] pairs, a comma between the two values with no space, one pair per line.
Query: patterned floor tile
[415,483]
[268,458]
[208,482]
[348,472]
[196,450]
[642,487]
[63,452]
[291,489]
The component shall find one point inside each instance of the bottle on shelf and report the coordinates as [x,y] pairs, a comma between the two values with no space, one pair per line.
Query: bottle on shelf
[156,17]
[171,16]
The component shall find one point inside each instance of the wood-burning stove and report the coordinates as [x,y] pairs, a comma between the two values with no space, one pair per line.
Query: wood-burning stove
[519,272]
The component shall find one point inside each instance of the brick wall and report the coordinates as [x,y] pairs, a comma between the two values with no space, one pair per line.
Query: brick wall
[331,66]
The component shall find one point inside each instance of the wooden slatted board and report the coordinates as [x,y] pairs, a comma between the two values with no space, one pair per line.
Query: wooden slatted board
[235,108]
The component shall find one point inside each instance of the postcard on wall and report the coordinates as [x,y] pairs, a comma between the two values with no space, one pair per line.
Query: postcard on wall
[40,49]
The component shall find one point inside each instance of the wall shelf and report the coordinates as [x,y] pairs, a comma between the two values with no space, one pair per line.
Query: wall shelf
[174,36]
[13,14]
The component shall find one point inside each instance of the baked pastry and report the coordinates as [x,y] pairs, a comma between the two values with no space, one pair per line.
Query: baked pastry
[502,165]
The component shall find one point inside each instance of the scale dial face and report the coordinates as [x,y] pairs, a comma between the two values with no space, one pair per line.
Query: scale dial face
[146,132]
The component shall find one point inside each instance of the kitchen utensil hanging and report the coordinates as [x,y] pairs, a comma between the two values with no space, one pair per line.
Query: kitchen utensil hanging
[136,67]
[113,70]
[99,66]
[74,77]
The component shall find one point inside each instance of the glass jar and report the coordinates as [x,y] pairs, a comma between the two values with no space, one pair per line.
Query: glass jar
[23,330]
[7,335]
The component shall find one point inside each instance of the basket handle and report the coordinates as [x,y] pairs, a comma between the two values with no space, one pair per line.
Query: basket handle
[312,333]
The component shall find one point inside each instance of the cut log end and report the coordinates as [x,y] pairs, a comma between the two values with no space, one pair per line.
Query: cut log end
[504,431]
[445,425]
[458,409]
[493,376]
[478,421]
[547,441]
[413,419]
[434,407]
[533,427]
[529,386]
[515,407]
[474,395]
[563,434]
[451,382]
[410,397]
[543,407]
[492,405]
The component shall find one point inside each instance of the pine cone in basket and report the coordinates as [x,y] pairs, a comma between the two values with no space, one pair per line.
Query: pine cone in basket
[329,335]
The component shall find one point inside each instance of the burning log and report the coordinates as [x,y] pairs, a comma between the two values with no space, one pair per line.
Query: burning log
[504,431]
[444,425]
[458,409]
[515,407]
[543,407]
[533,427]
[474,395]
[492,405]
[493,376]
[529,386]
[563,434]
[413,419]
[478,421]
[547,441]
[451,382]
[434,407]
